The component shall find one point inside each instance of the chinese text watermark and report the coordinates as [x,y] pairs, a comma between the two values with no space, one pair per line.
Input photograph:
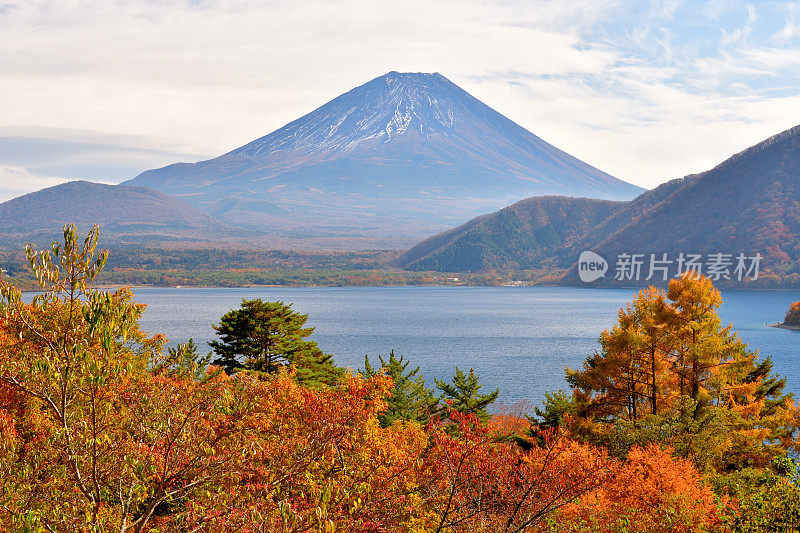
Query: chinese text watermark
[661,267]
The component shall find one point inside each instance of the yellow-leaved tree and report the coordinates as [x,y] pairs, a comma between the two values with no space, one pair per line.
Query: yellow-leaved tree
[669,371]
[100,437]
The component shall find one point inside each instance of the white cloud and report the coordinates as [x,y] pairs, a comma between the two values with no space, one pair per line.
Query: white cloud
[32,156]
[791,29]
[15,181]
[645,93]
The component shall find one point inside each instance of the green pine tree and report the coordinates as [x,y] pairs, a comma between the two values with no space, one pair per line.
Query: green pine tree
[463,395]
[316,369]
[183,361]
[266,336]
[410,400]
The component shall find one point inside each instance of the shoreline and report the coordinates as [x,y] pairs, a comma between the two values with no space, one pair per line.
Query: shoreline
[785,326]
[439,283]
[112,286]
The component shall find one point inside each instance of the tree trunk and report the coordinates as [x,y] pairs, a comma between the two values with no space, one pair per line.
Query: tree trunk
[654,384]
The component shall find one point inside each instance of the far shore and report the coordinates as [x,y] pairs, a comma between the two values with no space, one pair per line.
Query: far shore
[785,326]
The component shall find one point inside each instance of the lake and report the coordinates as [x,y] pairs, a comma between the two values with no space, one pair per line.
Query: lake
[519,339]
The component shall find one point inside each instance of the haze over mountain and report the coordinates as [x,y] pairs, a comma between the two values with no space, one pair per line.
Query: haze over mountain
[748,204]
[391,161]
[125,215]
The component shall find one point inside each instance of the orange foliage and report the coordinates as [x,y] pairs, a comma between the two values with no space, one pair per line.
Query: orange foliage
[510,419]
[9,402]
[793,315]
[317,459]
[650,492]
[475,483]
[100,433]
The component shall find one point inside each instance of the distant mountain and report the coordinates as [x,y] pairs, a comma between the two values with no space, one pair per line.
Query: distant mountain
[124,214]
[748,204]
[627,214]
[383,165]
[519,236]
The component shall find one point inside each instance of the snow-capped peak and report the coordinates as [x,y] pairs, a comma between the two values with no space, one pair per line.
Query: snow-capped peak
[380,111]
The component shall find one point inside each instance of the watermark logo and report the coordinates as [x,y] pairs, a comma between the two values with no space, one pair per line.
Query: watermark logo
[647,267]
[591,266]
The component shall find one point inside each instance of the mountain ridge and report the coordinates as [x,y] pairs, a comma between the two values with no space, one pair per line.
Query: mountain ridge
[519,236]
[124,213]
[393,160]
[747,204]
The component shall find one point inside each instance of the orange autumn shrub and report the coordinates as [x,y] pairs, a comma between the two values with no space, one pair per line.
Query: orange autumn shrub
[475,483]
[318,460]
[650,492]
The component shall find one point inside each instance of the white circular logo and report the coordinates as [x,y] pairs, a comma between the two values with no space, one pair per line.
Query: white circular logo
[591,266]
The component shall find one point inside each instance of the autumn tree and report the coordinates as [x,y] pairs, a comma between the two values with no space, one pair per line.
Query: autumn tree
[318,460]
[101,441]
[670,372]
[793,315]
[475,483]
[705,356]
[264,336]
[663,346]
[650,491]
[626,376]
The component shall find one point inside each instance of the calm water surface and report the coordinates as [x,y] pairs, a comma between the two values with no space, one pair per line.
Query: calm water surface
[518,339]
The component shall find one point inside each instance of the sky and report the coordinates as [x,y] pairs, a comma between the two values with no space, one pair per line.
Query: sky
[645,90]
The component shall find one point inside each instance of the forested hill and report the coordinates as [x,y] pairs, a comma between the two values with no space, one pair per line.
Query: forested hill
[519,236]
[749,204]
[124,214]
[621,218]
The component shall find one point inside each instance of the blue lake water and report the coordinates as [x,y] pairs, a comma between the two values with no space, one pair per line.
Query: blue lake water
[518,339]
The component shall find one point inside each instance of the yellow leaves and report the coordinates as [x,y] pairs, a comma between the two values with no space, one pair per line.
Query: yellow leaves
[8,432]
[745,390]
[749,409]
[355,506]
[101,439]
[754,434]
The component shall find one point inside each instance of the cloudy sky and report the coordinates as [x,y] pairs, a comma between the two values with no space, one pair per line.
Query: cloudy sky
[647,91]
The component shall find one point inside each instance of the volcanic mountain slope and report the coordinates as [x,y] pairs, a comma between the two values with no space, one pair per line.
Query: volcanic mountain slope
[748,204]
[124,214]
[384,164]
[519,236]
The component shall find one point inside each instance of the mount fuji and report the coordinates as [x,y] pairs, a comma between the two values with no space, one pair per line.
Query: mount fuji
[381,166]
